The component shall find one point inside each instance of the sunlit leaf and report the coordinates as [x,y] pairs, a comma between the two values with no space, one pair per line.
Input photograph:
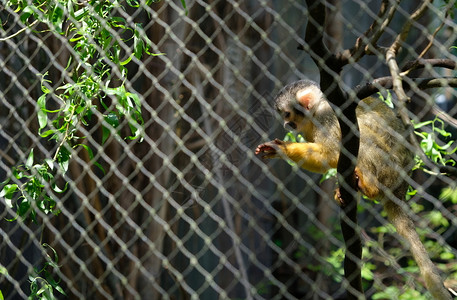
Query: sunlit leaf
[123,63]
[29,161]
[8,191]
[91,156]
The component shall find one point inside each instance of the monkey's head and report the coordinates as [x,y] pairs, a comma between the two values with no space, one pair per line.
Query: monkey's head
[297,103]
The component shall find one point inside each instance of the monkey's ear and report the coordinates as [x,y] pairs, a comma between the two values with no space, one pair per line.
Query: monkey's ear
[307,98]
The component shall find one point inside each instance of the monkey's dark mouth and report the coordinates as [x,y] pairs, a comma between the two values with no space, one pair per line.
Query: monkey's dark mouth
[290,125]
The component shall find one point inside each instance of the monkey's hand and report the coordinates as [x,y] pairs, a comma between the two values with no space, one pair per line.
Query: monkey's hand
[272,149]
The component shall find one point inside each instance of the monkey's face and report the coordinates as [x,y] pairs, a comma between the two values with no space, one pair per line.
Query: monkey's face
[298,106]
[294,117]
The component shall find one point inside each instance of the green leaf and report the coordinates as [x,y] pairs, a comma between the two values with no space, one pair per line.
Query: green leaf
[135,98]
[91,156]
[60,290]
[47,133]
[44,89]
[23,209]
[447,255]
[421,124]
[123,63]
[149,2]
[118,22]
[81,13]
[41,114]
[29,162]
[63,158]
[133,3]
[3,270]
[105,134]
[8,191]
[57,189]
[331,173]
[366,273]
[112,119]
[387,100]
[440,129]
[57,17]
[436,218]
[56,257]
[136,131]
[449,194]
[138,44]
[26,13]
[290,136]
[141,42]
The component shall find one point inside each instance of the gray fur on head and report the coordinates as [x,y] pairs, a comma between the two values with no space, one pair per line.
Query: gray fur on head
[291,90]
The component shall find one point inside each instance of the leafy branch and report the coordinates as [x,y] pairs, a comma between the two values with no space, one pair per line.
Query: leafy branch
[42,283]
[437,153]
[94,84]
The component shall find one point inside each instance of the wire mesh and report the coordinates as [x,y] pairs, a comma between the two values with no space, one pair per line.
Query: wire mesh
[189,212]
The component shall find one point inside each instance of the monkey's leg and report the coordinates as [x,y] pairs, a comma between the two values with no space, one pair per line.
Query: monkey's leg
[407,230]
[310,156]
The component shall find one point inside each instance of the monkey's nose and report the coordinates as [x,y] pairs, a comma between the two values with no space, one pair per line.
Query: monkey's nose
[290,125]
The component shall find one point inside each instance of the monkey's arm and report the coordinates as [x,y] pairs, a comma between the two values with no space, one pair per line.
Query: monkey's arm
[309,156]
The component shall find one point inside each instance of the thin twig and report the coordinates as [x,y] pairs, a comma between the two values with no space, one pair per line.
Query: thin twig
[19,31]
[424,51]
[388,18]
[8,158]
[366,43]
[366,90]
[444,116]
[432,62]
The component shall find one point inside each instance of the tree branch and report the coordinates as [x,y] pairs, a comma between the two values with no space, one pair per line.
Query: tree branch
[424,51]
[366,43]
[19,31]
[330,67]
[392,53]
[444,116]
[432,62]
[364,91]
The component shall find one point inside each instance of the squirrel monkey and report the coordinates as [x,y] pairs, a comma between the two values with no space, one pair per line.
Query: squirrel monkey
[382,163]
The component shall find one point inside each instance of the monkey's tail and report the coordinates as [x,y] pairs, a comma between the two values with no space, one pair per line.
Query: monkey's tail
[405,227]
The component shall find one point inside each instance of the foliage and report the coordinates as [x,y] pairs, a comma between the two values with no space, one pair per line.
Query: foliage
[449,194]
[387,100]
[38,179]
[291,137]
[42,283]
[430,145]
[95,87]
[402,293]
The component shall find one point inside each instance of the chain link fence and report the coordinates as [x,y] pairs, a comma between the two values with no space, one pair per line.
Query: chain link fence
[186,210]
